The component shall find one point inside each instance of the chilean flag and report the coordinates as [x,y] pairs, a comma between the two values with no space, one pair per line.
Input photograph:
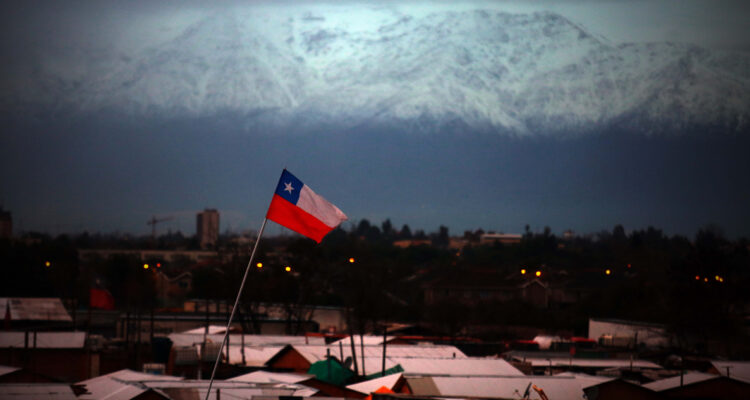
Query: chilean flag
[297,207]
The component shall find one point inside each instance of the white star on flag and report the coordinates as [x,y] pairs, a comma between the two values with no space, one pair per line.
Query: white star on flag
[288,187]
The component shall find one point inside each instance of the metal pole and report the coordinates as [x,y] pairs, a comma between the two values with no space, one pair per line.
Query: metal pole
[354,351]
[385,340]
[362,348]
[236,302]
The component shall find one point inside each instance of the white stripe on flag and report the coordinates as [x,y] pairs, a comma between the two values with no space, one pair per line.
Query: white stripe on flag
[320,208]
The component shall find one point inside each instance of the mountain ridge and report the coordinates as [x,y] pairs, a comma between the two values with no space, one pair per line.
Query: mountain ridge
[521,73]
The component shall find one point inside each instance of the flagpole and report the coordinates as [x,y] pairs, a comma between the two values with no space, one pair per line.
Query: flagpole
[236,302]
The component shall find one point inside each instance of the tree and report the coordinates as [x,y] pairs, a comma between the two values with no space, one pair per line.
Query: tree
[618,233]
[362,228]
[405,232]
[386,227]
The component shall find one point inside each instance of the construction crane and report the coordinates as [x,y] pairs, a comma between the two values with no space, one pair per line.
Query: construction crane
[153,221]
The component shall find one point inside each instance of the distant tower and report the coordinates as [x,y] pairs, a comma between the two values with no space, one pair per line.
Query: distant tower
[208,228]
[6,224]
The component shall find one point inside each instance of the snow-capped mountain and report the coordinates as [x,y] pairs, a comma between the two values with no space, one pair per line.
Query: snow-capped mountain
[523,73]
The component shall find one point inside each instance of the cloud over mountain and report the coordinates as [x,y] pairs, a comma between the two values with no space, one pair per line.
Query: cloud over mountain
[513,72]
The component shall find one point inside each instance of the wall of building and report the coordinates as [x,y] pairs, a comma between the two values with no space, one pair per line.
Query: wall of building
[620,333]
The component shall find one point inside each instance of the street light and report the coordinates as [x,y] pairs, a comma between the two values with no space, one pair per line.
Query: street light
[288,269]
[145,266]
[47,264]
[523,271]
[259,265]
[351,260]
[538,273]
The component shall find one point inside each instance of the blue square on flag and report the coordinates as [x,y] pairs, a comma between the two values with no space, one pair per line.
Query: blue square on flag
[289,187]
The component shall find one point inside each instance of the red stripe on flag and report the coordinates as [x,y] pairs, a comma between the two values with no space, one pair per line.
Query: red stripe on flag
[289,215]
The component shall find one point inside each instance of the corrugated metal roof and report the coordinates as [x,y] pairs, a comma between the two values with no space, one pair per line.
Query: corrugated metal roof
[229,389]
[254,356]
[372,385]
[675,381]
[189,339]
[23,391]
[271,377]
[317,353]
[557,388]
[212,330]
[588,362]
[112,389]
[5,370]
[370,340]
[128,375]
[737,369]
[585,379]
[456,367]
[44,340]
[35,309]
[120,385]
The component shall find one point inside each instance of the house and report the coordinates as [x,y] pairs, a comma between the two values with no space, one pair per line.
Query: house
[697,385]
[454,366]
[321,388]
[394,382]
[569,387]
[21,375]
[34,313]
[300,358]
[61,356]
[619,389]
[29,391]
[542,363]
[122,385]
[733,369]
[628,334]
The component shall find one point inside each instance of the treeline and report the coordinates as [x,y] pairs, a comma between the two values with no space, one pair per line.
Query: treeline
[697,286]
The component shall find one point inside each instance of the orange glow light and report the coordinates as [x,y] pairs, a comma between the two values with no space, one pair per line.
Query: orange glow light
[288,268]
[608,272]
[538,273]
[351,260]
[259,265]
[47,264]
[697,278]
[145,266]
[523,272]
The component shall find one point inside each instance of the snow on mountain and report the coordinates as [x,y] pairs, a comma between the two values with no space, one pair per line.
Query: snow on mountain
[535,72]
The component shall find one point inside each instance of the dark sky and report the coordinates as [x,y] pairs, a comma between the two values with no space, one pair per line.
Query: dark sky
[75,159]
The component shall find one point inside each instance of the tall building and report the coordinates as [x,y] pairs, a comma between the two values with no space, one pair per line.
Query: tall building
[6,224]
[208,228]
